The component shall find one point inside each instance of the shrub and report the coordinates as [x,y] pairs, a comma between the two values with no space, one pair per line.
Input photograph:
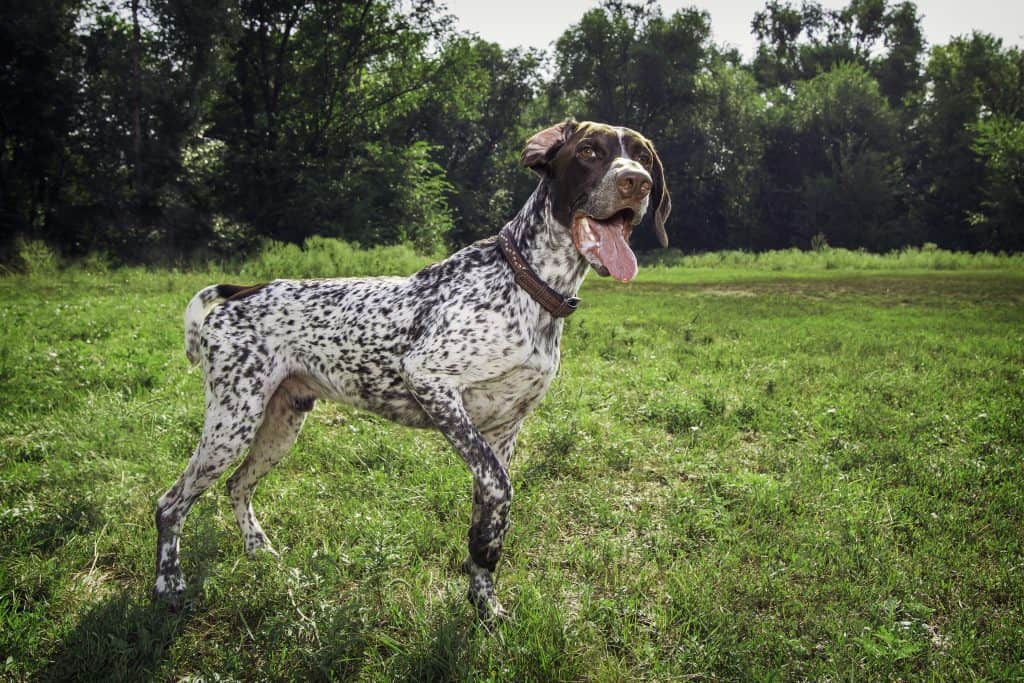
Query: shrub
[34,257]
[328,257]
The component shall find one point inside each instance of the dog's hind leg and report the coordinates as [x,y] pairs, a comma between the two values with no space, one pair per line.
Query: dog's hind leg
[282,422]
[228,430]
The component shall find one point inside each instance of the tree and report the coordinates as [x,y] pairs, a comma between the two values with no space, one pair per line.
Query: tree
[156,127]
[626,63]
[899,70]
[131,107]
[473,118]
[837,156]
[832,166]
[37,103]
[999,223]
[308,86]
[971,79]
[798,44]
[721,184]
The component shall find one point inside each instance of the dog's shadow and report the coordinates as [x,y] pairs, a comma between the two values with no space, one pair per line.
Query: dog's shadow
[127,637]
[441,651]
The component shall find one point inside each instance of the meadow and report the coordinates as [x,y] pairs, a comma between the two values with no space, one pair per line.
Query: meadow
[786,466]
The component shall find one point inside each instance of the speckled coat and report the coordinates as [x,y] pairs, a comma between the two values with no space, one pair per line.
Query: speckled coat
[457,346]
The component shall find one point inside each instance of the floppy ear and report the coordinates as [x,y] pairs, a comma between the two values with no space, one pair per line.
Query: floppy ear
[543,146]
[663,199]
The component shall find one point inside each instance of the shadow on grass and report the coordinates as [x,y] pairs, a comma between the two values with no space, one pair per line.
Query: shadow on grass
[123,638]
[448,652]
[440,650]
[128,636]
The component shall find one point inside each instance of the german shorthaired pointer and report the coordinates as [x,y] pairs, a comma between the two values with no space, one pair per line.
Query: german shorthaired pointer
[468,345]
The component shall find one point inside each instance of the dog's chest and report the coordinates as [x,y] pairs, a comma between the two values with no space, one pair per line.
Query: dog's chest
[512,395]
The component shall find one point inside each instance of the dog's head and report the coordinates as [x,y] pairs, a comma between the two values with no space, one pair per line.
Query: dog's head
[603,180]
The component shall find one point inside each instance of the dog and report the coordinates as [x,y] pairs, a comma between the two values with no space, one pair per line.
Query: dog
[468,345]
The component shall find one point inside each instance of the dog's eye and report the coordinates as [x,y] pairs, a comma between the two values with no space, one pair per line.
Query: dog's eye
[586,153]
[644,157]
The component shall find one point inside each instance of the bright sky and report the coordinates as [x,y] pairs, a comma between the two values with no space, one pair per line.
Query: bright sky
[537,23]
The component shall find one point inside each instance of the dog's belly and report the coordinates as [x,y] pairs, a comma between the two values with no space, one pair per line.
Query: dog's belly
[404,410]
[384,394]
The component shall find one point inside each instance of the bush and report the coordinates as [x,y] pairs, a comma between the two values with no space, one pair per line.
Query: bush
[328,257]
[397,195]
[34,257]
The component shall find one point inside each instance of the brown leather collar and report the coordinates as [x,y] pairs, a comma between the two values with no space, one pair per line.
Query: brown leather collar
[556,304]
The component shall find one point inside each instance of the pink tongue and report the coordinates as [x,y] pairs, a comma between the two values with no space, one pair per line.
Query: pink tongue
[612,249]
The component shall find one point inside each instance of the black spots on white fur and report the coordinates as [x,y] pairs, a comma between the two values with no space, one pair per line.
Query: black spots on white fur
[458,346]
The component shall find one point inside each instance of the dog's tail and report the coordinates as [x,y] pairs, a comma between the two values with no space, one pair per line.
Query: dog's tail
[202,303]
[195,313]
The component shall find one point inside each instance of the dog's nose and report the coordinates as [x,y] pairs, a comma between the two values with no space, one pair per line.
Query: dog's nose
[633,184]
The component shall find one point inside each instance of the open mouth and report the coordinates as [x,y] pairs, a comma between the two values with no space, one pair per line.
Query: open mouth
[604,242]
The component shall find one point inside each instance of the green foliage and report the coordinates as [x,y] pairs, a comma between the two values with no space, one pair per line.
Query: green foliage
[847,508]
[309,93]
[899,71]
[325,257]
[628,63]
[727,153]
[475,120]
[972,78]
[852,177]
[1000,144]
[35,257]
[162,131]
[409,208]
[832,164]
[796,44]
[37,106]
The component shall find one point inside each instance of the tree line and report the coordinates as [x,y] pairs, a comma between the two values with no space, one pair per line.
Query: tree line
[154,128]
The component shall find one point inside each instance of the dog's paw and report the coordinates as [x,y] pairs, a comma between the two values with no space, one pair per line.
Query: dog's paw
[265,550]
[488,609]
[482,596]
[257,544]
[169,591]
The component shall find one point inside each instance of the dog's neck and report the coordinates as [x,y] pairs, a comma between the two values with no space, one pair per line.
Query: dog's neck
[547,244]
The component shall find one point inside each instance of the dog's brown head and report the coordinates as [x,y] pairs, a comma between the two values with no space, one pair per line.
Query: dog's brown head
[603,180]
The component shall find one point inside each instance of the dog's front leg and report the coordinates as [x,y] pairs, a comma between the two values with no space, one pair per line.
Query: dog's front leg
[481,581]
[442,401]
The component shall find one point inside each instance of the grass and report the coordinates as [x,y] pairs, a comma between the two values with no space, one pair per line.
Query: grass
[927,257]
[739,473]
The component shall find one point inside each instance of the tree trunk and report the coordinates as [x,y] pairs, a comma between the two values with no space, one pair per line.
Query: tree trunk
[136,100]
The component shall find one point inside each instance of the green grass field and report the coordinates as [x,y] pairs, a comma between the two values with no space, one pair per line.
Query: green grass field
[740,473]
